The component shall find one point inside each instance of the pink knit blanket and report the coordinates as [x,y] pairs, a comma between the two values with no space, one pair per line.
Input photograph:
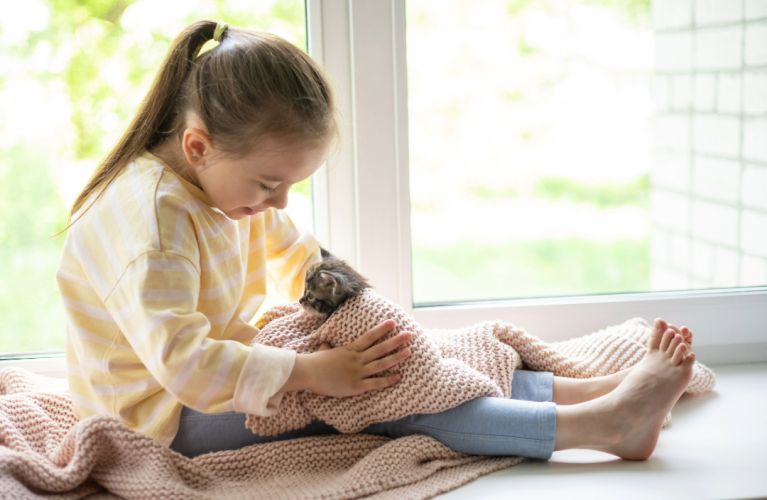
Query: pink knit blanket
[445,368]
[46,453]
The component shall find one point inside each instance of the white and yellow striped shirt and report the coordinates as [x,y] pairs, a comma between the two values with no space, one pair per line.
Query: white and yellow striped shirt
[160,290]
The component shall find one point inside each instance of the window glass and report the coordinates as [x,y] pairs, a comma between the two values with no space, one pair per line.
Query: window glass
[574,147]
[71,74]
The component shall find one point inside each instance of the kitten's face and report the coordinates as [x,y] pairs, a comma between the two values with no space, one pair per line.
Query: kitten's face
[323,293]
[329,284]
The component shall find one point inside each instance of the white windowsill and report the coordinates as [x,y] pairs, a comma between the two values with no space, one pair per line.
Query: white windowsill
[714,449]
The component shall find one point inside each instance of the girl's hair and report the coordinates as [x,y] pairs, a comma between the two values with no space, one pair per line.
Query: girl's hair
[251,86]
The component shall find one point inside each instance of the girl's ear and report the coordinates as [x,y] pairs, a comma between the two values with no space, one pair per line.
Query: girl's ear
[196,145]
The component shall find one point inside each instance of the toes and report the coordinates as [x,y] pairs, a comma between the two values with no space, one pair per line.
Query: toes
[666,339]
[674,327]
[657,333]
[679,353]
[675,341]
[687,334]
[689,360]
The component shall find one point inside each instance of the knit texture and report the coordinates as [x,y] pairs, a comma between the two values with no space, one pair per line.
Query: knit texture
[47,453]
[445,368]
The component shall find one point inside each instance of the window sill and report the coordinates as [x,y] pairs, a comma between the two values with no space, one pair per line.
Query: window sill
[689,462]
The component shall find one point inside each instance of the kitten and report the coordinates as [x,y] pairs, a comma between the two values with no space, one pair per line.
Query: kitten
[329,284]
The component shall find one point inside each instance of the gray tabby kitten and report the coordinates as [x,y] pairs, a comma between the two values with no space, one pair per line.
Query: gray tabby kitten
[329,284]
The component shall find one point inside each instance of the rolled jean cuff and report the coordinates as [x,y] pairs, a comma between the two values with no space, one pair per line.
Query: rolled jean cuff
[532,386]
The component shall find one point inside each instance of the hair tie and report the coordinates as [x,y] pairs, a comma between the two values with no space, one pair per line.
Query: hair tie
[219,32]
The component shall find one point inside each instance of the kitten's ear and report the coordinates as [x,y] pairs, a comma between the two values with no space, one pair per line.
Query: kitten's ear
[330,282]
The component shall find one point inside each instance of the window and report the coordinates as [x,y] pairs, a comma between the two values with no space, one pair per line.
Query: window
[585,147]
[70,78]
[367,217]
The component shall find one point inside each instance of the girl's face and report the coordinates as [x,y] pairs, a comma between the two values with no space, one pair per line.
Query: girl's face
[241,187]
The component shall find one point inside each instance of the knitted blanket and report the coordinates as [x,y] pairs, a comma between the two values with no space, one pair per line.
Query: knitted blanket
[46,453]
[445,368]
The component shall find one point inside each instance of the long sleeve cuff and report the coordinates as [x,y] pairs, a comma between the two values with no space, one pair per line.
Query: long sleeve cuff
[265,371]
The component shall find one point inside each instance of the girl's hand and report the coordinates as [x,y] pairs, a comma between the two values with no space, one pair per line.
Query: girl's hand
[346,370]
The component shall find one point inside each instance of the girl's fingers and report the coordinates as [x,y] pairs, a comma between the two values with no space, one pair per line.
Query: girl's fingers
[385,347]
[380,382]
[370,337]
[385,363]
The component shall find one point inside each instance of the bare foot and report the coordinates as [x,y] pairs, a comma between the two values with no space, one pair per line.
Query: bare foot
[641,402]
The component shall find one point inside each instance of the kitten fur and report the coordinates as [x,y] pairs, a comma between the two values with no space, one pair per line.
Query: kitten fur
[329,284]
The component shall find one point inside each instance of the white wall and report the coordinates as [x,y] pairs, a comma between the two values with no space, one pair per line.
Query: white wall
[709,182]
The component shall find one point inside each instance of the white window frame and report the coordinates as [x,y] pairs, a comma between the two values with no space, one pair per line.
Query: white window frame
[362,207]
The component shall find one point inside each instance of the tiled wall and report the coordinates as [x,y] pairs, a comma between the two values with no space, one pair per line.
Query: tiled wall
[709,180]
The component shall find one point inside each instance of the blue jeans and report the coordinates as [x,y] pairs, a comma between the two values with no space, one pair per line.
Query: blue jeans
[523,425]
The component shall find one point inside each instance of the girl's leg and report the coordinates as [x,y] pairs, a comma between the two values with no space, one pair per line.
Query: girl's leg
[523,425]
[200,433]
[625,422]
[570,391]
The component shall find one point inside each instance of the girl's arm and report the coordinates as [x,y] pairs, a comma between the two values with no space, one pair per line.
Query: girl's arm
[155,306]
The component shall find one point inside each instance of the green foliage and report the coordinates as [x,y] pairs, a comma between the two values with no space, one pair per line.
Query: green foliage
[525,49]
[31,315]
[29,203]
[636,12]
[635,193]
[489,194]
[471,270]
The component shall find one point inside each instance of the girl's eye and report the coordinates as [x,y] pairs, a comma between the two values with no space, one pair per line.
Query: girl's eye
[267,188]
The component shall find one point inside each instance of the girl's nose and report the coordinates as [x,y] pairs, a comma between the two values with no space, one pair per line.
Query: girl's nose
[279,200]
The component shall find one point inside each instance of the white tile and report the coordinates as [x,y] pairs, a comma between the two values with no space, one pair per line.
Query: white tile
[729,92]
[670,210]
[718,48]
[753,271]
[754,190]
[672,132]
[702,260]
[705,85]
[673,51]
[715,222]
[680,252]
[659,249]
[681,92]
[717,11]
[718,135]
[671,13]
[756,9]
[725,268]
[756,44]
[755,139]
[716,179]
[671,170]
[662,279]
[753,234]
[755,93]
[662,93]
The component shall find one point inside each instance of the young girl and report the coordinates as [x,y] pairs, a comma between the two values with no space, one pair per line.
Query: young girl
[166,261]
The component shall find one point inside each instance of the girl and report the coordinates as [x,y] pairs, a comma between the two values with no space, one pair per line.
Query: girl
[166,260]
